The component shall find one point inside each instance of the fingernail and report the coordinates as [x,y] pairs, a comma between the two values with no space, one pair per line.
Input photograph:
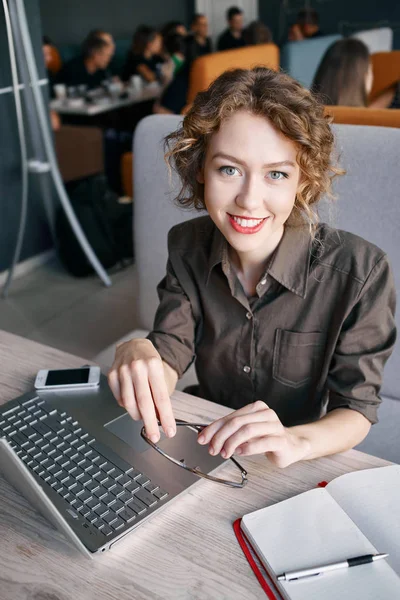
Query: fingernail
[170,431]
[154,438]
[211,450]
[223,453]
[238,451]
[201,439]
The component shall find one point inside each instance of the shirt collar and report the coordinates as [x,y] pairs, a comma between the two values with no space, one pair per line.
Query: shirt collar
[289,264]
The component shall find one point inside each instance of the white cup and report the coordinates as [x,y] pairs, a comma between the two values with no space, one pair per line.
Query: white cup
[60,90]
[136,83]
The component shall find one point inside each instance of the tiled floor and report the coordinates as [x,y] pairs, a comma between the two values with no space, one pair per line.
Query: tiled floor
[80,316]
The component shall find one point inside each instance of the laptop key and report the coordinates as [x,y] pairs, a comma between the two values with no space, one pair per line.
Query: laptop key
[92,486]
[125,497]
[110,517]
[100,492]
[146,497]
[132,487]
[137,506]
[142,480]
[151,487]
[112,457]
[109,499]
[160,494]
[93,503]
[106,530]
[117,524]
[101,510]
[123,479]
[117,506]
[127,514]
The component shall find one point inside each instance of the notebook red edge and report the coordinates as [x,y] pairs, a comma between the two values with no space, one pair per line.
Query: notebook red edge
[263,577]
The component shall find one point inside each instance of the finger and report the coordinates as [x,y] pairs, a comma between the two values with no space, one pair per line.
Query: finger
[144,400]
[235,424]
[249,432]
[161,397]
[209,431]
[271,443]
[113,382]
[128,399]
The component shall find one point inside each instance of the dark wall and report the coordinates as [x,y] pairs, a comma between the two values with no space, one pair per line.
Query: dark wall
[37,236]
[68,21]
[336,16]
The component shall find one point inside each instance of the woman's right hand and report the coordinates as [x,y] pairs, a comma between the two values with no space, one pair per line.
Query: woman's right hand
[137,380]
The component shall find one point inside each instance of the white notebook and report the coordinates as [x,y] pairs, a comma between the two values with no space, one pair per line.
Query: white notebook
[356,514]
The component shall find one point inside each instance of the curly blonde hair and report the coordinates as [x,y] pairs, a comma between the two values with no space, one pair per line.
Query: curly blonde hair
[292,110]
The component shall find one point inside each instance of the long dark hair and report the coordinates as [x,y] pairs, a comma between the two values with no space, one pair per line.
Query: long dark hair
[341,75]
[142,36]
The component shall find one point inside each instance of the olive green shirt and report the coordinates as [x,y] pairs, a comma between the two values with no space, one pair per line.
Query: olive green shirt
[314,338]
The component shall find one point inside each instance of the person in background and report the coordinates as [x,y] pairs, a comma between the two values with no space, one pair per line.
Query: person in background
[91,67]
[389,98]
[257,33]
[173,27]
[232,37]
[51,64]
[144,57]
[306,26]
[175,46]
[344,76]
[197,42]
[173,98]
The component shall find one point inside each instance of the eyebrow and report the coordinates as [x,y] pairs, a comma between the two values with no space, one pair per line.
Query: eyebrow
[283,163]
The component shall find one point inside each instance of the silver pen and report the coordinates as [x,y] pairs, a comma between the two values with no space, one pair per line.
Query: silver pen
[344,564]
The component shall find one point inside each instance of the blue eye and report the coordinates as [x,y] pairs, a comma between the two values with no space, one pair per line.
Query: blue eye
[228,170]
[278,174]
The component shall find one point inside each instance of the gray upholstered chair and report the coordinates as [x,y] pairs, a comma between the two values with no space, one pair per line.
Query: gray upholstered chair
[368,206]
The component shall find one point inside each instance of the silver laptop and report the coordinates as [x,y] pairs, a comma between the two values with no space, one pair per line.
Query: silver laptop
[79,458]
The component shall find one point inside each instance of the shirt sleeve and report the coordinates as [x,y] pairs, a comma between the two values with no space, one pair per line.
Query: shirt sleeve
[365,343]
[173,333]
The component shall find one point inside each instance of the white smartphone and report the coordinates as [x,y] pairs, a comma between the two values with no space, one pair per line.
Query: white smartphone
[58,379]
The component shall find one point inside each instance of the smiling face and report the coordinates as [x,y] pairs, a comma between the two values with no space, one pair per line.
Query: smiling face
[250,178]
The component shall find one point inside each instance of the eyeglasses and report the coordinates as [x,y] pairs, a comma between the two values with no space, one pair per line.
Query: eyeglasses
[197,427]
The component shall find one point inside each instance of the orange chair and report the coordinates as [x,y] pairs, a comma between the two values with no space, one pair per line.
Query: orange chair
[386,69]
[350,115]
[206,68]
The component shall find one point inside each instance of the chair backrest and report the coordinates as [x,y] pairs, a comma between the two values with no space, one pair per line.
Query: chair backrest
[301,59]
[386,69]
[154,209]
[352,115]
[206,68]
[367,206]
[377,40]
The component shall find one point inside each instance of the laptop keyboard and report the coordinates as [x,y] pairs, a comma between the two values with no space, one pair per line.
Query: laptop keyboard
[95,482]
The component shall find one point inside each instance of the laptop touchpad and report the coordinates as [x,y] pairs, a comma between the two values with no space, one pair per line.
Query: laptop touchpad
[128,430]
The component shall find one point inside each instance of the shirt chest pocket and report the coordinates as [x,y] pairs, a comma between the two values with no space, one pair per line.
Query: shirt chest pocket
[297,356]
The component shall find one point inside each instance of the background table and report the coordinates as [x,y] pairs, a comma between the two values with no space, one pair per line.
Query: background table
[95,108]
[188,550]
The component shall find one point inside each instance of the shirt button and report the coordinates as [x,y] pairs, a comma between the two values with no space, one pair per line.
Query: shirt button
[246,369]
[249,315]
[263,281]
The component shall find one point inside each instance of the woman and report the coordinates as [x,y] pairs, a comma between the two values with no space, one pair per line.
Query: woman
[290,322]
[144,56]
[344,76]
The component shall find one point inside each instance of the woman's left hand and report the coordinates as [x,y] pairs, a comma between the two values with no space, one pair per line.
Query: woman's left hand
[254,429]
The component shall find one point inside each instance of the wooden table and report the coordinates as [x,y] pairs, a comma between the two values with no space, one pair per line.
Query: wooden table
[187,551]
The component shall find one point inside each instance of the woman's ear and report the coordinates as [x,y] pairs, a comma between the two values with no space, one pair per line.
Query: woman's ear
[200,176]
